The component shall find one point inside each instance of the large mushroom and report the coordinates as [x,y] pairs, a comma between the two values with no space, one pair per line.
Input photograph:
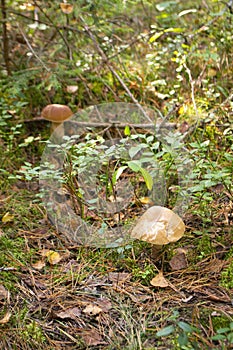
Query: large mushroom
[159,226]
[56,114]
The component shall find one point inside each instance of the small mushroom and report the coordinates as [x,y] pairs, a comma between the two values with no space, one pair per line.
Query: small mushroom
[159,226]
[56,114]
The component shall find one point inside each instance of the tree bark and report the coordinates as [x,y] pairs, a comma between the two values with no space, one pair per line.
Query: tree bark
[5,38]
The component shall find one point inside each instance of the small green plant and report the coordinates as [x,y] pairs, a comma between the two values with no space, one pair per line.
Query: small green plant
[227,277]
[181,332]
[224,336]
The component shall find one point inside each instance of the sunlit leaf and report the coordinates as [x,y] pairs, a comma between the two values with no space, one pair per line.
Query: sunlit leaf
[66,8]
[155,36]
[7,218]
[147,177]
[127,131]
[117,174]
[134,165]
[53,257]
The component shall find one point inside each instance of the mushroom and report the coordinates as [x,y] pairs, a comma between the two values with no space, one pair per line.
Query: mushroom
[56,114]
[159,226]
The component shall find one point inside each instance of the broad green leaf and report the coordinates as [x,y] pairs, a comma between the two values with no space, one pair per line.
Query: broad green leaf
[182,339]
[147,177]
[134,165]
[117,174]
[165,331]
[134,150]
[185,326]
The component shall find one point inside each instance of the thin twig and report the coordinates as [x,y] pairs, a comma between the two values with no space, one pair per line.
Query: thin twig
[32,50]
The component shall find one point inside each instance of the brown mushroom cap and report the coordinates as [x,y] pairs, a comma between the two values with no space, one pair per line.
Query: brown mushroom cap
[159,225]
[56,113]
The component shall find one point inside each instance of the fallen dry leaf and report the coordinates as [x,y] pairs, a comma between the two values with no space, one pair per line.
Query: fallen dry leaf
[53,257]
[72,88]
[69,313]
[6,318]
[1,233]
[179,260]
[105,304]
[66,8]
[92,310]
[7,217]
[39,265]
[159,281]
[118,277]
[92,337]
[4,294]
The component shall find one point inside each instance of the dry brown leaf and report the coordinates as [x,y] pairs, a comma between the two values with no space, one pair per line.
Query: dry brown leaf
[4,294]
[53,257]
[39,265]
[146,200]
[92,310]
[72,88]
[105,304]
[159,281]
[92,337]
[179,260]
[1,233]
[6,318]
[69,313]
[118,277]
[7,217]
[66,8]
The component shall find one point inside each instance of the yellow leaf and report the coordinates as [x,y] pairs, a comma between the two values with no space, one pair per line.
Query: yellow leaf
[159,281]
[53,257]
[145,200]
[66,8]
[7,217]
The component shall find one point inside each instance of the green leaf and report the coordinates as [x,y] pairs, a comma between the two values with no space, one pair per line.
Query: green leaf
[147,177]
[182,339]
[230,338]
[218,337]
[165,331]
[134,165]
[127,131]
[134,150]
[185,326]
[117,174]
[174,30]
[155,37]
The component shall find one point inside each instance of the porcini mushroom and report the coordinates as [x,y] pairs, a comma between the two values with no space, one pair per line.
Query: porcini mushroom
[56,114]
[159,226]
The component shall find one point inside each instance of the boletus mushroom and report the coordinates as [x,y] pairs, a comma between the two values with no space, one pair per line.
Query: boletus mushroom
[56,114]
[159,226]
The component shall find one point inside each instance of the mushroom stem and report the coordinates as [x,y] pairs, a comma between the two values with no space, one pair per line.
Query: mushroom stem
[155,251]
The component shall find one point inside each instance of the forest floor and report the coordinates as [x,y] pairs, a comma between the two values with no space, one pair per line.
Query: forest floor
[59,295]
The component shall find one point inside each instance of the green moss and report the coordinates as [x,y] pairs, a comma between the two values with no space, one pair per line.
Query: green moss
[227,277]
[220,322]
